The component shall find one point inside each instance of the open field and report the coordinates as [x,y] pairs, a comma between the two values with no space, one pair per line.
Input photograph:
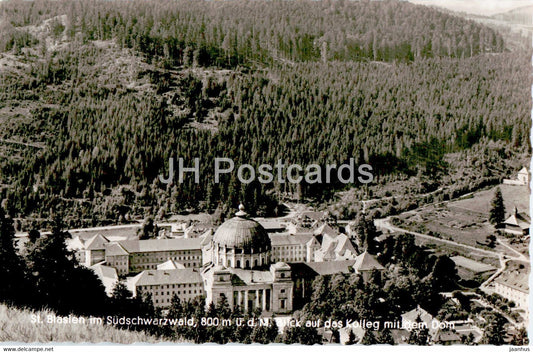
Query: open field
[466,221]
[17,325]
[450,250]
[513,196]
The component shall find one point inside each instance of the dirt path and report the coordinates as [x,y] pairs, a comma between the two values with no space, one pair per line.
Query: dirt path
[385,224]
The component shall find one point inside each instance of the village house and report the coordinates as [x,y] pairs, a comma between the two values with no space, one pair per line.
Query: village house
[365,264]
[517,223]
[522,178]
[419,318]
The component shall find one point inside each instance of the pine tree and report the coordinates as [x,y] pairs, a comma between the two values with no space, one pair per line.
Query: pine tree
[12,272]
[369,338]
[495,330]
[520,338]
[58,280]
[351,338]
[497,210]
[385,337]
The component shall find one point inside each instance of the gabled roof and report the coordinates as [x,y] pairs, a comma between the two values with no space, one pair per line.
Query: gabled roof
[325,229]
[521,220]
[412,315]
[75,243]
[315,215]
[313,242]
[328,268]
[106,274]
[96,242]
[518,280]
[284,239]
[366,262]
[206,237]
[163,277]
[523,171]
[446,336]
[344,245]
[139,246]
[296,229]
[115,248]
[169,265]
[105,271]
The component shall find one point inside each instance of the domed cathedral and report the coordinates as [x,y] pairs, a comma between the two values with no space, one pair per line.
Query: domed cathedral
[241,268]
[242,243]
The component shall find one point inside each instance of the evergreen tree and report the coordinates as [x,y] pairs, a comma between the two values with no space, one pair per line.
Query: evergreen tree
[58,281]
[369,338]
[385,337]
[495,330]
[33,235]
[149,230]
[351,338]
[302,335]
[420,335]
[520,338]
[497,210]
[12,289]
[444,275]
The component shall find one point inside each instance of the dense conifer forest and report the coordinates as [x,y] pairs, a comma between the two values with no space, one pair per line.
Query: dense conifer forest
[96,96]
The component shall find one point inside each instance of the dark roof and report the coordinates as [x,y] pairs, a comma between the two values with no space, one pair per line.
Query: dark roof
[242,232]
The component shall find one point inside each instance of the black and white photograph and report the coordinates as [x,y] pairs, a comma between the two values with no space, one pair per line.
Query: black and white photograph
[265,172]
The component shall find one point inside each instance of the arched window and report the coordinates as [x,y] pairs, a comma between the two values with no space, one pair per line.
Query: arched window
[255,263]
[247,264]
[238,264]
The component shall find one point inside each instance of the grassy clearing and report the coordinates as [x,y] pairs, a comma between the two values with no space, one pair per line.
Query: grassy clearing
[466,221]
[16,326]
[480,202]
[451,250]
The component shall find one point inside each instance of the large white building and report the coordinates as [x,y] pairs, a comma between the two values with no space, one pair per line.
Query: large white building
[515,287]
[240,261]
[162,285]
[137,255]
[241,268]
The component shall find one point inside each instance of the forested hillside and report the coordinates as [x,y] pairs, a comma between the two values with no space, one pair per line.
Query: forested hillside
[95,96]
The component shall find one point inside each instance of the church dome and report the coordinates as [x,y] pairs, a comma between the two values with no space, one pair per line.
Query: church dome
[243,233]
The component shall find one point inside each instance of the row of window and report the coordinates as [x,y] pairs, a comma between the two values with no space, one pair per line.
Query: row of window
[154,266]
[164,300]
[144,287]
[170,293]
[136,259]
[145,254]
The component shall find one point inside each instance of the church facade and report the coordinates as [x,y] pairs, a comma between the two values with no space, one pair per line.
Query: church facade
[242,270]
